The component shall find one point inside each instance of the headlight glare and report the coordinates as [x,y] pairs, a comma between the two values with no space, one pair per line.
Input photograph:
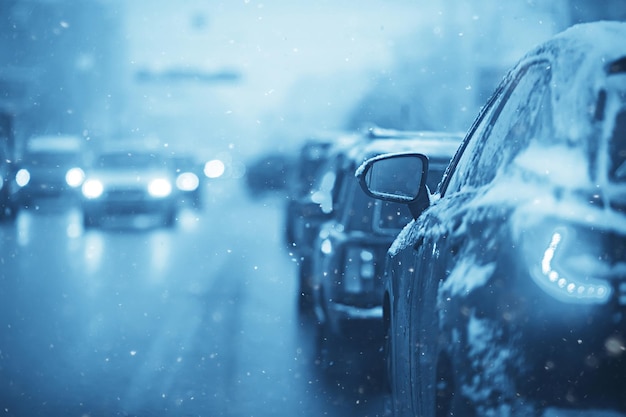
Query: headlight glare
[22,177]
[159,187]
[187,181]
[74,177]
[92,189]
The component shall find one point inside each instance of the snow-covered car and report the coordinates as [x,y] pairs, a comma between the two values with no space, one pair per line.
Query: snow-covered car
[129,183]
[349,252]
[507,294]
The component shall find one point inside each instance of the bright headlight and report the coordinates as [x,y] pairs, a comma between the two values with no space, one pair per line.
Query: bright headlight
[214,168]
[92,188]
[187,181]
[159,187]
[74,177]
[22,177]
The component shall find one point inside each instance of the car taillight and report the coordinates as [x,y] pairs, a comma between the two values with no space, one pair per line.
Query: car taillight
[574,264]
[359,270]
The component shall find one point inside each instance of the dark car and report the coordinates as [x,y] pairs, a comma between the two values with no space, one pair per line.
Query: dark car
[268,174]
[126,184]
[311,208]
[349,251]
[507,295]
[50,166]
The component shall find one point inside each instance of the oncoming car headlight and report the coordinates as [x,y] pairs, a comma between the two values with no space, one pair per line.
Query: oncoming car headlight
[22,177]
[159,187]
[92,189]
[74,177]
[187,181]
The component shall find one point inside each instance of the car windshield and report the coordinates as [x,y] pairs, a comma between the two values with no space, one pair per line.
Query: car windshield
[127,160]
[51,159]
[128,288]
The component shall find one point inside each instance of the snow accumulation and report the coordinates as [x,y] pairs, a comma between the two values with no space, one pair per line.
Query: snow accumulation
[466,276]
[588,49]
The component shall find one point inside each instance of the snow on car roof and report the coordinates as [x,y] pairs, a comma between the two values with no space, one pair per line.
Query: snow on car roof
[581,57]
[429,143]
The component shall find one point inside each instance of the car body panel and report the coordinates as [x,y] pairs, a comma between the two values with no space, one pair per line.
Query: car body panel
[507,295]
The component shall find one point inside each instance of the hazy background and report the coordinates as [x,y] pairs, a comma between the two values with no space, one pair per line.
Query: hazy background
[244,76]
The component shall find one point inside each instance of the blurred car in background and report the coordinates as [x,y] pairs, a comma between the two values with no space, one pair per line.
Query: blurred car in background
[129,183]
[49,166]
[268,174]
[349,252]
[8,208]
[313,208]
[188,179]
[311,157]
[507,295]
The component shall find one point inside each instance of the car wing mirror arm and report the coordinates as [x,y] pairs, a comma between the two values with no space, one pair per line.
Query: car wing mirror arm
[421,203]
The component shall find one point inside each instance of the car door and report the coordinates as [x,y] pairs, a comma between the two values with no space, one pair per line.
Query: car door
[451,233]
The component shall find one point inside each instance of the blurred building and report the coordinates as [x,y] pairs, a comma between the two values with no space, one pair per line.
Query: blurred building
[213,74]
[59,60]
[449,67]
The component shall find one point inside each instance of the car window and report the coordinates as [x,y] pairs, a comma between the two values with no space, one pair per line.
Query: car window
[365,213]
[513,116]
[617,171]
[390,216]
[128,160]
[359,209]
[52,159]
[436,169]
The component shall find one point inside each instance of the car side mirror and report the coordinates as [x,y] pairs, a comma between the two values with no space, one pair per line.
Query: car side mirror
[400,178]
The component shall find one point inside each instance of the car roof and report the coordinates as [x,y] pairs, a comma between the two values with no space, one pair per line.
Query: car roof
[54,143]
[434,144]
[582,59]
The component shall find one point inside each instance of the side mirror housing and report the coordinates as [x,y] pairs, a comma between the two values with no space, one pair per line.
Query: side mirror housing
[399,177]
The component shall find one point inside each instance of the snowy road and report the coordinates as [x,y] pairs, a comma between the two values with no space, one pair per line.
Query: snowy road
[199,320]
